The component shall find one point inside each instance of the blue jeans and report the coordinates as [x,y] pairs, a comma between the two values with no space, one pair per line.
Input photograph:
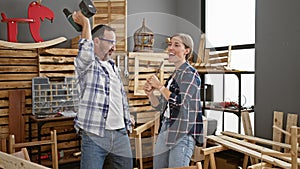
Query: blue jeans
[178,155]
[115,146]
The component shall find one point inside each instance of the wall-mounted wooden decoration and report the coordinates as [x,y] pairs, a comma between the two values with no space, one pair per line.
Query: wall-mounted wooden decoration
[113,13]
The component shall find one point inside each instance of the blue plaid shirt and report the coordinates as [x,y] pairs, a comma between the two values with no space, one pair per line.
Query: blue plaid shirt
[185,105]
[93,84]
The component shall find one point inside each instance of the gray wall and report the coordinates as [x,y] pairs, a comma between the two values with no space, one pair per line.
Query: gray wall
[163,17]
[48,30]
[277,80]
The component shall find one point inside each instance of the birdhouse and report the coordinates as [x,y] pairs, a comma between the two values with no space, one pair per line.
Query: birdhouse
[143,39]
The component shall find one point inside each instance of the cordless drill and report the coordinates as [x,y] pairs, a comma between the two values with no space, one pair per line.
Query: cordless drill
[87,9]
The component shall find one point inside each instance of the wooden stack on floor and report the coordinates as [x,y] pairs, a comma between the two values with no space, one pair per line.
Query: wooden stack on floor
[255,147]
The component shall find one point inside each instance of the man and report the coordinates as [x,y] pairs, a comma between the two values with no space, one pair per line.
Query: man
[103,118]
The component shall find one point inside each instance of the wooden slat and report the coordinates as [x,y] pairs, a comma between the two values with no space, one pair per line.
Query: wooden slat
[16,111]
[58,51]
[47,67]
[278,122]
[15,85]
[250,152]
[258,140]
[18,61]
[10,161]
[18,53]
[18,76]
[14,69]
[56,59]
[292,120]
[261,149]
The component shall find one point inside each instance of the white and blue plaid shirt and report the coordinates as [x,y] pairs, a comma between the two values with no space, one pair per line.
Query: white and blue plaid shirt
[93,84]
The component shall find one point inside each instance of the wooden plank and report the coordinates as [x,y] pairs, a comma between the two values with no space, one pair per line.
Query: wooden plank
[18,53]
[58,51]
[250,152]
[15,85]
[259,165]
[18,76]
[260,149]
[257,140]
[32,45]
[16,111]
[48,67]
[18,61]
[14,69]
[292,120]
[10,161]
[294,147]
[278,122]
[56,59]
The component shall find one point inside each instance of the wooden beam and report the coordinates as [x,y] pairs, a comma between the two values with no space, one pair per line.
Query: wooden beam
[250,152]
[9,161]
[278,122]
[263,150]
[257,140]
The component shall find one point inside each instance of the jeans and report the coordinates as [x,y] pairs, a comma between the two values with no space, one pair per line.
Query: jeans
[114,147]
[178,155]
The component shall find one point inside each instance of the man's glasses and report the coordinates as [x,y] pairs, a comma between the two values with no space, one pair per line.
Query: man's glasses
[113,42]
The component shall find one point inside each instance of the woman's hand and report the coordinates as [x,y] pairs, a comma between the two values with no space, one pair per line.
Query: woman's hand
[148,89]
[154,82]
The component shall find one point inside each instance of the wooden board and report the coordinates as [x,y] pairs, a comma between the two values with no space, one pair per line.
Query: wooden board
[10,161]
[32,45]
[250,152]
[278,122]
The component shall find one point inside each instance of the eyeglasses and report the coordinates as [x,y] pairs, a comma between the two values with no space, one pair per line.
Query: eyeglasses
[113,42]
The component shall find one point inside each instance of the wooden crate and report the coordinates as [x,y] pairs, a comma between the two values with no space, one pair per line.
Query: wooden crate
[113,13]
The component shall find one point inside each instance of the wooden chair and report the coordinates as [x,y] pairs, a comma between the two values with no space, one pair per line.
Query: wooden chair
[197,166]
[137,133]
[217,59]
[9,161]
[198,155]
[22,154]
[53,142]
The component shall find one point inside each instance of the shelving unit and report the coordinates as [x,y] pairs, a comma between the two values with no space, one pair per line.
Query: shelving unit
[238,111]
[50,98]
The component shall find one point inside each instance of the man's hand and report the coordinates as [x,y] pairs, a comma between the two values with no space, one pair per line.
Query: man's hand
[80,19]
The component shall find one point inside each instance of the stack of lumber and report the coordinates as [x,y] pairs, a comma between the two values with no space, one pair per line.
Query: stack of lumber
[256,148]
[17,68]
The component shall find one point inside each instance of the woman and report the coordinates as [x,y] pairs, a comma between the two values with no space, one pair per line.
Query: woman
[180,107]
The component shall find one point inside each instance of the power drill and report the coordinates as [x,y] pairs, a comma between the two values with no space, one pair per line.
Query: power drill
[87,9]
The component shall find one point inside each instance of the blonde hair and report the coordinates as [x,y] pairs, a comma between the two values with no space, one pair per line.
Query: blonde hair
[187,41]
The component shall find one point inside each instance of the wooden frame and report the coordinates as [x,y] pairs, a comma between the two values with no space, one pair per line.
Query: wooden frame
[52,142]
[8,161]
[148,69]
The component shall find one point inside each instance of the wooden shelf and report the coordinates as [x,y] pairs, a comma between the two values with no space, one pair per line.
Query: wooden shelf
[235,111]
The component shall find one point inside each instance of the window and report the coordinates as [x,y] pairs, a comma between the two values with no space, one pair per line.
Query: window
[231,22]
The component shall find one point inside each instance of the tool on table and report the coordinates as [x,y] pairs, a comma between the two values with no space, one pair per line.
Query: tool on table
[88,10]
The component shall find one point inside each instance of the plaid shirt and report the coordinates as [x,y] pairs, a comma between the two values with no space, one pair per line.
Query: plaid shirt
[93,87]
[185,105]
